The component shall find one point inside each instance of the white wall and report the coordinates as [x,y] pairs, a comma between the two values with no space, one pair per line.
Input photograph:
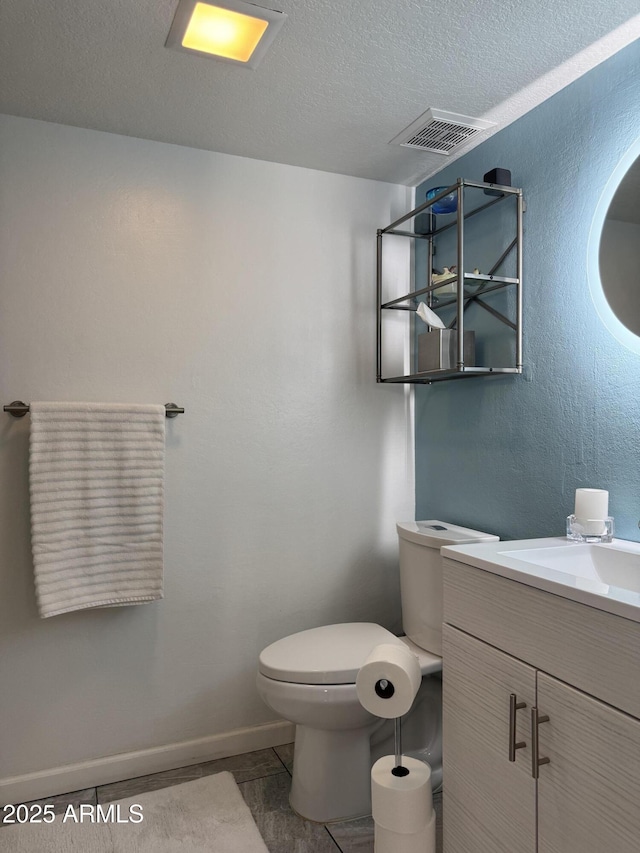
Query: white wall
[244,291]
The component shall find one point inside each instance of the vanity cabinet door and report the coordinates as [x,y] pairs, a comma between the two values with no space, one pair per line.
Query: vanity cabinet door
[489,801]
[589,793]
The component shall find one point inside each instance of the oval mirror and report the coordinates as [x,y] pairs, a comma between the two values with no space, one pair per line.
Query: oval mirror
[614,252]
[619,256]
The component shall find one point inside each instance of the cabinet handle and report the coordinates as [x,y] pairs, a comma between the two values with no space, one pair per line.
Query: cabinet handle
[514,706]
[536,761]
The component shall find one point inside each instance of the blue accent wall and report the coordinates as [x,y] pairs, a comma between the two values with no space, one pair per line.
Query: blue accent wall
[505,454]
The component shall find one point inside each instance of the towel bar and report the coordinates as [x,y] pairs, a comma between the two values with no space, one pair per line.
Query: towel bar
[19,409]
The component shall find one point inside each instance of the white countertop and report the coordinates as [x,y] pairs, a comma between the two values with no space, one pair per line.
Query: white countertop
[606,577]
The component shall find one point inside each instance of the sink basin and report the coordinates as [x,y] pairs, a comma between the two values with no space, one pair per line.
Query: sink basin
[608,565]
[605,576]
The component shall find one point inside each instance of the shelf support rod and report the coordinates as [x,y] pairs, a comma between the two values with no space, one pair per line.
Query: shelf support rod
[460,293]
[379,306]
[495,313]
[502,257]
[430,270]
[519,215]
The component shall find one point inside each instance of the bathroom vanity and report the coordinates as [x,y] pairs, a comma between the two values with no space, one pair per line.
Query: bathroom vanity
[542,697]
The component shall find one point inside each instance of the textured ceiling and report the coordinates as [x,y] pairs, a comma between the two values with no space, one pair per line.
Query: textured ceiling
[342,78]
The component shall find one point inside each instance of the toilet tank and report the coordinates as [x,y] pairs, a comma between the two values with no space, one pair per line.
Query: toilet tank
[421,576]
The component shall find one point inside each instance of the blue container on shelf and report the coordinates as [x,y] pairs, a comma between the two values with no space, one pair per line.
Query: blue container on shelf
[447,204]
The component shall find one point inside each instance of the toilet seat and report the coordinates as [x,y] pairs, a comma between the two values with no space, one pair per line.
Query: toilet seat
[332,654]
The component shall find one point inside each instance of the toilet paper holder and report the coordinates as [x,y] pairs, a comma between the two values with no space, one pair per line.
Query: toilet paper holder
[399,769]
[386,684]
[402,809]
[385,690]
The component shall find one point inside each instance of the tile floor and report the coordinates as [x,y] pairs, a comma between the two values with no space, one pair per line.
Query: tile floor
[264,777]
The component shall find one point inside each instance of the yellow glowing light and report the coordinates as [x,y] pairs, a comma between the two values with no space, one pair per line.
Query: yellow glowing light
[223,32]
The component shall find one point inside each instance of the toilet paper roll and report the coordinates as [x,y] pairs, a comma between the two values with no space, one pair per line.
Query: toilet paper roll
[388,681]
[401,804]
[386,841]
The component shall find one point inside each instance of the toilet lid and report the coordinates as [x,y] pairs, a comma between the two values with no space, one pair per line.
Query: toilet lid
[332,654]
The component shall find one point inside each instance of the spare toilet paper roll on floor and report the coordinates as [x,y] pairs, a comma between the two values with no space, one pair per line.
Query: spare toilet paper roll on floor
[388,681]
[402,807]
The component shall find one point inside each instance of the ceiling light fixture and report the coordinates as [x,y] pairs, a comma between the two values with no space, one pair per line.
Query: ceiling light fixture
[229,30]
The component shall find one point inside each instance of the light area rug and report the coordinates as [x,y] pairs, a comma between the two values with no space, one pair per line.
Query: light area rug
[207,815]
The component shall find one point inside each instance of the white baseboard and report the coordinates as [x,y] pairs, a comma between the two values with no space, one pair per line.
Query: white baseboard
[127,765]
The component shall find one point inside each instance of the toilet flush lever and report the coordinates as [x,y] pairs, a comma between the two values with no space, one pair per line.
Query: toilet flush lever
[514,706]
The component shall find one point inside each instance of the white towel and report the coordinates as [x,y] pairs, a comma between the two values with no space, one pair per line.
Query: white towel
[96,475]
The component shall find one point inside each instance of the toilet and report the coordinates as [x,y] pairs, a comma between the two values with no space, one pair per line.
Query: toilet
[309,678]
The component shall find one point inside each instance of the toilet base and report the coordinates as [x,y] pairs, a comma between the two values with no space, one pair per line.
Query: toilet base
[331,780]
[332,768]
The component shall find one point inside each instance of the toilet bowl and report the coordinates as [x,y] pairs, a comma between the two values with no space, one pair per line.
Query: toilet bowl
[310,679]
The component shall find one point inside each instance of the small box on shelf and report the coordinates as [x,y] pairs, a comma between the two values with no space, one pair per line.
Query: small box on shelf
[502,177]
[438,350]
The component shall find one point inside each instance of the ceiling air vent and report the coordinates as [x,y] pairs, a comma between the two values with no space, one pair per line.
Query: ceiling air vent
[440,131]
